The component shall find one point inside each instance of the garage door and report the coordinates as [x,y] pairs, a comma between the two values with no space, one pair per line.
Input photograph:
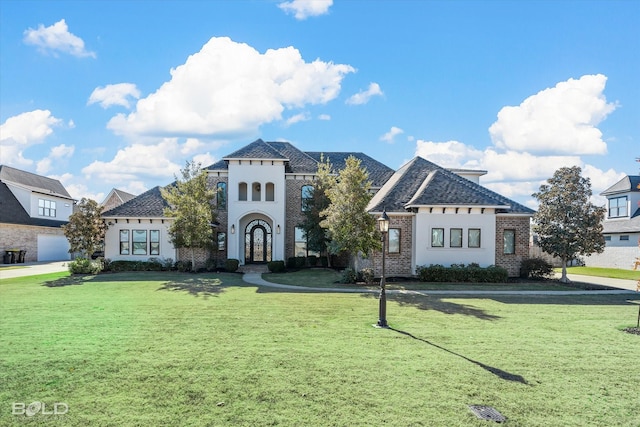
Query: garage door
[53,248]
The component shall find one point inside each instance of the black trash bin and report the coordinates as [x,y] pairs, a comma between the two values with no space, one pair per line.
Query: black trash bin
[21,255]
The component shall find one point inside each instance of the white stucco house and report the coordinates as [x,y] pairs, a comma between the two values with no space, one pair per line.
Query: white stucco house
[33,209]
[621,226]
[438,216]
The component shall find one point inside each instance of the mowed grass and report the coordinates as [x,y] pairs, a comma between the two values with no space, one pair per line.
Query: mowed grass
[208,350]
[615,273]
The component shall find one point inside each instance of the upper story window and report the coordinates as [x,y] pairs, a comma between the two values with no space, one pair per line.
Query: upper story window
[242,191]
[270,192]
[255,191]
[618,207]
[307,195]
[46,208]
[221,195]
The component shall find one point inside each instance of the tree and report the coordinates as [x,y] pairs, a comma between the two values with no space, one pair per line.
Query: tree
[567,223]
[317,236]
[191,208]
[351,228]
[86,228]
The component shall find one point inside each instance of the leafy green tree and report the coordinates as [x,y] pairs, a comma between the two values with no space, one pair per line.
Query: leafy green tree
[351,228]
[317,236]
[191,208]
[567,223]
[86,228]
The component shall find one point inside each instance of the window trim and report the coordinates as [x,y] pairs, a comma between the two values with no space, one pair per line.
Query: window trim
[141,245]
[47,208]
[441,234]
[506,232]
[479,238]
[451,230]
[154,242]
[125,249]
[221,195]
[621,210]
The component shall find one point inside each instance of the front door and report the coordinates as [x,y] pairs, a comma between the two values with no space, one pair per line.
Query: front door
[257,242]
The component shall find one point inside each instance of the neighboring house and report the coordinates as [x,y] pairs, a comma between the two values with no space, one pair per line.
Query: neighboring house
[33,209]
[621,226]
[437,216]
[116,198]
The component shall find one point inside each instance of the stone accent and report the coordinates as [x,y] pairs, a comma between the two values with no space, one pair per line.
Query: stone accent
[512,262]
[24,237]
[397,264]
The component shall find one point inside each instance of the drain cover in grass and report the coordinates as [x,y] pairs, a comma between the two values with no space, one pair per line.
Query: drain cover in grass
[487,413]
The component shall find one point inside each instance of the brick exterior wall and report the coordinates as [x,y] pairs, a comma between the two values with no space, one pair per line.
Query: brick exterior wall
[397,264]
[223,220]
[513,261]
[293,212]
[24,237]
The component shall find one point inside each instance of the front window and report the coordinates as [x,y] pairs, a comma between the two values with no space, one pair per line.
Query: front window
[154,242]
[124,242]
[437,237]
[221,195]
[139,242]
[474,237]
[222,241]
[301,244]
[307,195]
[46,208]
[509,241]
[618,207]
[394,241]
[455,238]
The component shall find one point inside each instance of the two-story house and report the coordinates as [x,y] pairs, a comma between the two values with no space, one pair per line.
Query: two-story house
[437,216]
[621,226]
[33,209]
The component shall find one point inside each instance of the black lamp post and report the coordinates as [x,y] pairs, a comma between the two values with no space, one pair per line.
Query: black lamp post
[383,226]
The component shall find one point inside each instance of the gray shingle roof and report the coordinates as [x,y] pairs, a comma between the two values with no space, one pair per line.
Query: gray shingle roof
[423,183]
[378,172]
[623,225]
[258,149]
[626,184]
[34,182]
[148,204]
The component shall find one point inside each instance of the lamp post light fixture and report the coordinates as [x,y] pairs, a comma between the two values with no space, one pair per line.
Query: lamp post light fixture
[383,226]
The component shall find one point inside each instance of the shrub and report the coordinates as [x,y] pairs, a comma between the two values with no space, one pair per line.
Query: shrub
[301,261]
[291,262]
[535,268]
[154,264]
[367,275]
[312,260]
[231,265]
[183,266]
[211,265]
[324,261]
[348,276]
[85,266]
[459,273]
[276,266]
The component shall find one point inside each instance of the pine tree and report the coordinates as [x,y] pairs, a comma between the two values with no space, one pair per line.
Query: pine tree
[191,209]
[567,223]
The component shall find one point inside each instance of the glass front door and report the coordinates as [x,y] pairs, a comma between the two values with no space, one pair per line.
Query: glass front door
[257,242]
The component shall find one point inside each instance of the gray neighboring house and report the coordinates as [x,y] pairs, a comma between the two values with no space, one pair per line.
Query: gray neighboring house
[438,216]
[621,226]
[33,209]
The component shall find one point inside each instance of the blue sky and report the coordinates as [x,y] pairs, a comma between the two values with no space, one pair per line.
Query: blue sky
[120,94]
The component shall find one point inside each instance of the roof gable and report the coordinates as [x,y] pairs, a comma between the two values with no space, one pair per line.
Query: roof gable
[148,204]
[12,212]
[630,183]
[258,150]
[33,182]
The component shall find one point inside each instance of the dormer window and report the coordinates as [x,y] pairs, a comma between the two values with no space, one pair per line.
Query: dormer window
[46,208]
[618,207]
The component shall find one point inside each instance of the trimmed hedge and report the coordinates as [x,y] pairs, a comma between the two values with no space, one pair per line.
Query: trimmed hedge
[232,265]
[276,266]
[535,268]
[460,273]
[85,266]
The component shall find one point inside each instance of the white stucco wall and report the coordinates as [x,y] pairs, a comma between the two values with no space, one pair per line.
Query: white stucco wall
[29,201]
[425,221]
[112,239]
[242,212]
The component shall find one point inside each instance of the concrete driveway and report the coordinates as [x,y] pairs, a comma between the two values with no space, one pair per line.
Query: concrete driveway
[32,269]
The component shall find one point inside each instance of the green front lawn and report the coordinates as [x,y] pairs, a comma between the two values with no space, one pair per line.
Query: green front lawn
[208,350]
[614,273]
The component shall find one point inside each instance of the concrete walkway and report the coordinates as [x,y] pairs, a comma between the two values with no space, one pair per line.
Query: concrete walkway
[32,269]
[256,279]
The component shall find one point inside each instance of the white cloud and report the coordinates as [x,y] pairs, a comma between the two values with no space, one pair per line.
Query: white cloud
[116,94]
[302,9]
[22,131]
[59,152]
[324,117]
[561,119]
[205,159]
[389,136]
[230,88]
[57,38]
[450,154]
[363,97]
[302,117]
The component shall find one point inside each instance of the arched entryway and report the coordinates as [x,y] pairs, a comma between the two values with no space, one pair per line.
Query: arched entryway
[257,242]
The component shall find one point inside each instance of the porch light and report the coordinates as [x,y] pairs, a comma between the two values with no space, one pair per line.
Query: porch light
[233,229]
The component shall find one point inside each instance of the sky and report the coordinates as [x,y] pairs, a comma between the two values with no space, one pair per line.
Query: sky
[121,94]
